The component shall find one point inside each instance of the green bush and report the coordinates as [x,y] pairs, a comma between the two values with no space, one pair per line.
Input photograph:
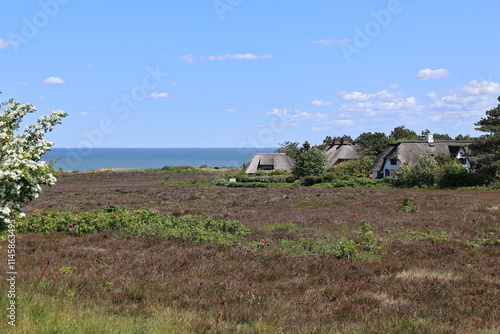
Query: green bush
[265,179]
[308,246]
[135,223]
[359,183]
[407,206]
[311,180]
[310,162]
[421,175]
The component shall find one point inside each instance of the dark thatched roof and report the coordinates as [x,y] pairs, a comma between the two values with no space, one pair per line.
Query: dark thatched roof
[338,152]
[280,161]
[411,150]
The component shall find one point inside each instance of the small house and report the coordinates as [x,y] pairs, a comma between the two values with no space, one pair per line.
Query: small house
[411,151]
[269,162]
[342,150]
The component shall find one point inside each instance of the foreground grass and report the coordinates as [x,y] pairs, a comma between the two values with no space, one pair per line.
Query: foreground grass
[47,314]
[425,261]
[40,313]
[104,284]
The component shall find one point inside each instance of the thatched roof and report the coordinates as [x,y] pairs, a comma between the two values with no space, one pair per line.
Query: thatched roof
[411,150]
[280,161]
[338,152]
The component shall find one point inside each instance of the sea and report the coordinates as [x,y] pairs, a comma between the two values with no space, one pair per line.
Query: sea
[84,159]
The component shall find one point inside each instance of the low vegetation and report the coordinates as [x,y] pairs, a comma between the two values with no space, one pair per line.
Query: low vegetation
[205,259]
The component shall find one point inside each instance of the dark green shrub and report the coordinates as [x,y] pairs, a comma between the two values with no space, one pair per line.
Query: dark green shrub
[311,180]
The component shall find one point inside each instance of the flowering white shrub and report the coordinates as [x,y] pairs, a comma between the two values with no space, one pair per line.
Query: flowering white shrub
[22,173]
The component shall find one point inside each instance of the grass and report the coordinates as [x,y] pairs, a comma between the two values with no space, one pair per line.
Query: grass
[435,270]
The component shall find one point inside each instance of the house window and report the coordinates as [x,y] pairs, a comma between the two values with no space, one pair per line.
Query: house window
[387,173]
[463,161]
[266,167]
[394,162]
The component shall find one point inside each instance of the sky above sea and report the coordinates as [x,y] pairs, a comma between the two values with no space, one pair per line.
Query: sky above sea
[238,73]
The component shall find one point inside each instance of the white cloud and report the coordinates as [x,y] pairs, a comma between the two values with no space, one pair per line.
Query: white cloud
[481,88]
[343,122]
[187,58]
[432,74]
[461,106]
[475,98]
[156,95]
[329,42]
[382,102]
[383,95]
[89,65]
[432,96]
[304,115]
[230,110]
[279,112]
[245,56]
[54,81]
[84,113]
[321,103]
[4,44]
[321,128]
[394,86]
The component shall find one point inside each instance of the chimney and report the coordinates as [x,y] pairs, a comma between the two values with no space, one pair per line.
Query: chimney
[430,137]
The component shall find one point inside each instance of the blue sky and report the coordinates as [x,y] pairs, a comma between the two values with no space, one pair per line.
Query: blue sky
[240,73]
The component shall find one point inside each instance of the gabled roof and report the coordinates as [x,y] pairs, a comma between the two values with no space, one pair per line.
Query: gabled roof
[280,161]
[412,150]
[338,152]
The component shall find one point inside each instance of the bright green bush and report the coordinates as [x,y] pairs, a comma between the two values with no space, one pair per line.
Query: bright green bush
[343,248]
[135,223]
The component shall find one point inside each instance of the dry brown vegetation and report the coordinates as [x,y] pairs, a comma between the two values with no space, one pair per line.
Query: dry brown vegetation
[438,269]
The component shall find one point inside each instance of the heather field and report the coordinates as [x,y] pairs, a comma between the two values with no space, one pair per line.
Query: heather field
[139,251]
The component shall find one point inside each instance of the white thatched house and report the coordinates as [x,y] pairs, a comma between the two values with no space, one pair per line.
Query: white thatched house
[411,151]
[269,162]
[342,150]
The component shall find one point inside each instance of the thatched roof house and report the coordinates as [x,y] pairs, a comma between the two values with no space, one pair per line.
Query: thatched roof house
[269,162]
[342,150]
[411,151]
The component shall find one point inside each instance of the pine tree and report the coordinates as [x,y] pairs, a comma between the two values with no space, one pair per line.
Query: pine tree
[487,147]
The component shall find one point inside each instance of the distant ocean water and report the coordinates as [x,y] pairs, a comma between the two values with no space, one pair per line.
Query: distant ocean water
[83,159]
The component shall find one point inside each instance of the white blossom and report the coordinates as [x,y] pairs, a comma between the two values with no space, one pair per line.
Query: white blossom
[21,171]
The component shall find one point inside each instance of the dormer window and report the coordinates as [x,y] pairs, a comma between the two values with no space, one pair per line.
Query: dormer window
[394,162]
[266,167]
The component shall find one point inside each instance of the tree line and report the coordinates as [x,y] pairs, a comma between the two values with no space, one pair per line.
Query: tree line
[310,160]
[371,143]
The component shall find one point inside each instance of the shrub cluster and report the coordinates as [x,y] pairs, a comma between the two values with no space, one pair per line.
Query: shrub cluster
[438,171]
[136,223]
[342,248]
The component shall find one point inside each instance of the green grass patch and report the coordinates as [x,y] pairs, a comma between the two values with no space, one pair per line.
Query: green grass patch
[182,170]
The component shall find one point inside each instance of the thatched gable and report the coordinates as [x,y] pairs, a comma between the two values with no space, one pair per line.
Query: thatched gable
[342,150]
[269,162]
